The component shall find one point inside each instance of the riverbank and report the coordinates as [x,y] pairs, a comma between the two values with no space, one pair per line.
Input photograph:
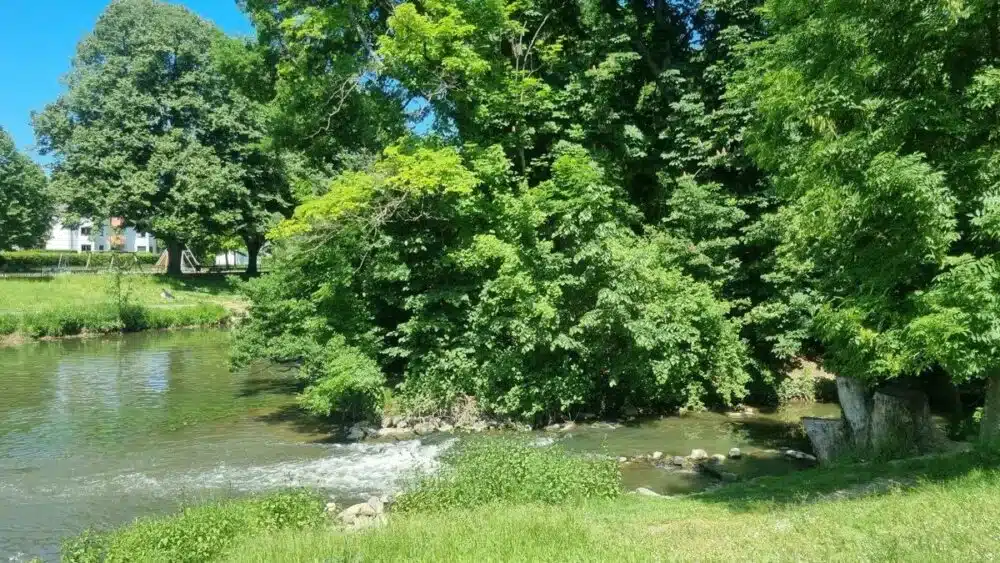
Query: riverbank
[923,509]
[81,304]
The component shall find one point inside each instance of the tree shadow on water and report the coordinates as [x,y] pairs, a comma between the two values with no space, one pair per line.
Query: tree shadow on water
[269,385]
[304,423]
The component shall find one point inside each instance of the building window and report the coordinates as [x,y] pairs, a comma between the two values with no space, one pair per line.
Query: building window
[140,249]
[85,248]
[85,231]
[100,247]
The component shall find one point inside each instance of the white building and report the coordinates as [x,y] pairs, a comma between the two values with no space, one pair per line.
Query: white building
[88,237]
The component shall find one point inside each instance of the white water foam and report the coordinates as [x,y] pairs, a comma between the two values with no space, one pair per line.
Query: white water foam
[349,469]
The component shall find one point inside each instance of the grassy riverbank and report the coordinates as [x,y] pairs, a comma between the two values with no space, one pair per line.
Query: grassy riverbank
[927,509]
[68,305]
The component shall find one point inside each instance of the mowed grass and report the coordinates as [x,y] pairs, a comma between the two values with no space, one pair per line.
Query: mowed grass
[953,516]
[25,295]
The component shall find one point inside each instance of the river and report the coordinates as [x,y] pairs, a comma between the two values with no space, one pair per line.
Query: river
[97,432]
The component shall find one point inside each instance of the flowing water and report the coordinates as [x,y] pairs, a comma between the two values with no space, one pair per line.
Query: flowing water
[97,432]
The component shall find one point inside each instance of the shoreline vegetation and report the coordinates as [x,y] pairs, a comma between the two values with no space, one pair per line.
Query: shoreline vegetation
[544,504]
[78,305]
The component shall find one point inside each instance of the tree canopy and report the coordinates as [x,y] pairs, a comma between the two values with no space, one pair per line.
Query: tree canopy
[152,129]
[26,210]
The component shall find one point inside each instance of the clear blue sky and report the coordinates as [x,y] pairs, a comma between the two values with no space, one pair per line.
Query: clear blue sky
[38,39]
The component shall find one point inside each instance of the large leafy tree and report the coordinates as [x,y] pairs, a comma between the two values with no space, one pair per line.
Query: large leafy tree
[583,260]
[26,209]
[150,130]
[876,121]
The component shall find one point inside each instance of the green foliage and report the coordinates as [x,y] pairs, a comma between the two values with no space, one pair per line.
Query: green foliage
[105,318]
[200,533]
[154,128]
[24,198]
[536,300]
[508,471]
[342,380]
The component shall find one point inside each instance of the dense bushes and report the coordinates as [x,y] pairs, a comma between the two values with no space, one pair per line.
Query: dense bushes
[491,470]
[198,534]
[68,321]
[40,260]
[538,300]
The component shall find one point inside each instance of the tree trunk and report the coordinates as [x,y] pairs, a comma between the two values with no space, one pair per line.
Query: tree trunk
[253,250]
[901,423]
[174,252]
[853,396]
[989,430]
[827,435]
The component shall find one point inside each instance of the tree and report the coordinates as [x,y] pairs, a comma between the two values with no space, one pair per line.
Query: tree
[150,130]
[26,209]
[876,124]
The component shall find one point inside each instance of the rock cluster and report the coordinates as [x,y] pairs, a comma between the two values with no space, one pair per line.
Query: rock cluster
[362,515]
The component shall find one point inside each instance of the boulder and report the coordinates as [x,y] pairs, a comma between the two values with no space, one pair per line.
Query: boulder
[718,458]
[424,428]
[677,460]
[827,435]
[553,427]
[395,433]
[900,423]
[351,514]
[657,455]
[377,504]
[331,507]
[698,455]
[356,432]
[569,426]
[445,427]
[735,453]
[644,492]
[402,423]
[622,459]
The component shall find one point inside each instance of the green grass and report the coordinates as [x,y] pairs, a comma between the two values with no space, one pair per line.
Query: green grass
[928,509]
[66,305]
[199,533]
[944,510]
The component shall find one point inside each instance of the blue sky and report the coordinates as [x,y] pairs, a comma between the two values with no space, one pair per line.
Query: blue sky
[38,39]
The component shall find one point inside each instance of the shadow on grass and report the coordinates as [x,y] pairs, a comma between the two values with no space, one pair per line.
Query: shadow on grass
[209,284]
[848,480]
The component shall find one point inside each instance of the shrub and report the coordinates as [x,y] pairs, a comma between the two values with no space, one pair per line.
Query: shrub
[9,323]
[342,381]
[501,470]
[198,534]
[104,318]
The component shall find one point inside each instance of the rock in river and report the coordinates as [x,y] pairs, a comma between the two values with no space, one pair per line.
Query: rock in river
[698,455]
[735,453]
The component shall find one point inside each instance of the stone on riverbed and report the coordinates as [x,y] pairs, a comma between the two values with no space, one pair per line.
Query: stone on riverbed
[735,453]
[677,460]
[698,455]
[356,432]
[424,428]
[657,455]
[718,458]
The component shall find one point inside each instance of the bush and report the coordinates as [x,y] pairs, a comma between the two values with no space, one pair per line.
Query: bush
[104,318]
[342,381]
[198,534]
[500,470]
[34,260]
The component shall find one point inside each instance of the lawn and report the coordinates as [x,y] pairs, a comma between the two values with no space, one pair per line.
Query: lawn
[24,295]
